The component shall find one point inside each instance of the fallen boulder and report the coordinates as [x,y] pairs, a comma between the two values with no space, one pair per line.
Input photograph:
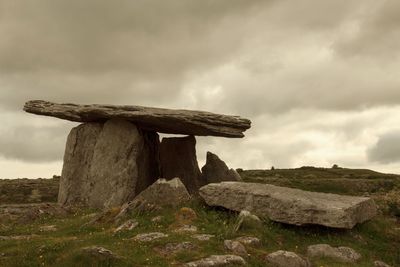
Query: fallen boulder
[161,193]
[291,206]
[161,120]
[215,170]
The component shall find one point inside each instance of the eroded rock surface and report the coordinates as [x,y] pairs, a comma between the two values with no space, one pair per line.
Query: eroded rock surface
[288,205]
[217,261]
[106,165]
[342,254]
[283,258]
[170,121]
[215,170]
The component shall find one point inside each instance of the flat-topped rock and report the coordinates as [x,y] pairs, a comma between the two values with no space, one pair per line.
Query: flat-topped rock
[161,120]
[288,205]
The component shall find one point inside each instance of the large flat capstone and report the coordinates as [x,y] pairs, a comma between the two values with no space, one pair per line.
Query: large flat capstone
[291,206]
[169,121]
[108,164]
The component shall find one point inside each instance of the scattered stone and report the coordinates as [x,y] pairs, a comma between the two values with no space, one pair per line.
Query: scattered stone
[178,159]
[218,260]
[216,171]
[342,254]
[246,220]
[174,248]
[235,247]
[186,229]
[87,174]
[48,228]
[289,205]
[157,219]
[148,237]
[154,119]
[185,216]
[381,264]
[282,258]
[127,226]
[249,240]
[203,237]
[161,193]
[100,253]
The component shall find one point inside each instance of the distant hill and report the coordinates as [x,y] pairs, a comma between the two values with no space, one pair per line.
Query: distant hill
[329,180]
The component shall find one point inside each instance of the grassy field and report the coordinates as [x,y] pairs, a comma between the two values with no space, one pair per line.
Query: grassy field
[378,239]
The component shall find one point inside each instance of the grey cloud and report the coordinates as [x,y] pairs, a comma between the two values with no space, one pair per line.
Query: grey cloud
[387,148]
[378,37]
[34,143]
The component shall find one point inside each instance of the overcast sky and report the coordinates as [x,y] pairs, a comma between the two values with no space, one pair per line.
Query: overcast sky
[320,80]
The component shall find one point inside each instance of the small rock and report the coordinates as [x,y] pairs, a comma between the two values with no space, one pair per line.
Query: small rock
[381,264]
[247,220]
[100,252]
[218,260]
[342,254]
[48,228]
[203,237]
[235,247]
[249,240]
[147,237]
[185,216]
[215,170]
[282,258]
[127,226]
[157,219]
[173,248]
[186,229]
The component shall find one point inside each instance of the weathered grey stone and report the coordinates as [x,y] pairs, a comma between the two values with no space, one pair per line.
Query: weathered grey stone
[203,237]
[342,254]
[249,240]
[288,205]
[215,170]
[173,248]
[161,193]
[381,264]
[282,258]
[178,159]
[248,220]
[186,229]
[217,261]
[106,165]
[127,226]
[148,237]
[235,247]
[153,119]
[78,156]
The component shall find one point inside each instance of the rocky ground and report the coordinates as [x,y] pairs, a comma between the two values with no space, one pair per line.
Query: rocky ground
[195,234]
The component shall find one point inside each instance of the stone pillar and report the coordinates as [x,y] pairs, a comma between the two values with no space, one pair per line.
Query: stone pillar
[106,165]
[178,159]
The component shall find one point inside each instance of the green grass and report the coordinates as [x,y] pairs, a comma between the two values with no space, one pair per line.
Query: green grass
[375,240]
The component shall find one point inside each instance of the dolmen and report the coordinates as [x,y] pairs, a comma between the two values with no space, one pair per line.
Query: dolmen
[116,152]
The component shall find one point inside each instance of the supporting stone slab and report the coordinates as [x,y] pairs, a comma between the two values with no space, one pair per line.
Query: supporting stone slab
[178,159]
[108,164]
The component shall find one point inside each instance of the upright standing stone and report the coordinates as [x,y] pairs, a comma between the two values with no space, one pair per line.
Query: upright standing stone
[103,165]
[75,180]
[178,159]
[216,171]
